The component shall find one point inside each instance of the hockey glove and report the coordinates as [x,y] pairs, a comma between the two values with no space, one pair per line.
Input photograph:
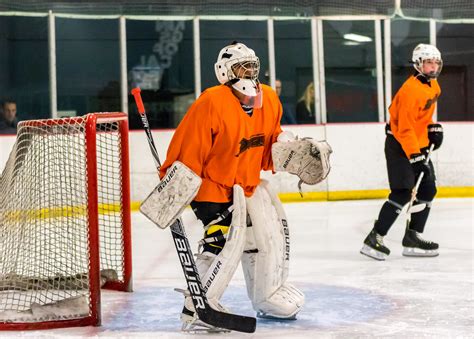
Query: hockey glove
[307,158]
[419,165]
[435,135]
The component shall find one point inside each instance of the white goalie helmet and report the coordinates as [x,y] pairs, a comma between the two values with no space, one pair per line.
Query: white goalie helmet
[238,65]
[424,52]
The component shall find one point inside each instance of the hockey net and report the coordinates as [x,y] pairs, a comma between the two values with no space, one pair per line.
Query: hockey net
[64,221]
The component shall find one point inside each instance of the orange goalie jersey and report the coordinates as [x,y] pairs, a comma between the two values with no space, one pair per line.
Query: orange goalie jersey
[223,144]
[412,111]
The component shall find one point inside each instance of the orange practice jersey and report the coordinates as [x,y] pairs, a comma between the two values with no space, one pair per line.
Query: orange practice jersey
[223,144]
[411,112]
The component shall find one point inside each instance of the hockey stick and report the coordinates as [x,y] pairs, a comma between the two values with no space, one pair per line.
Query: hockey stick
[205,312]
[410,208]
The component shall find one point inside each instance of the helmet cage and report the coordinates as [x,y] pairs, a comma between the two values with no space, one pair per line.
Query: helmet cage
[244,68]
[239,68]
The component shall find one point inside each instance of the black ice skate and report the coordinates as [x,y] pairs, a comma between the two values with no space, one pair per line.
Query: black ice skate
[415,246]
[374,246]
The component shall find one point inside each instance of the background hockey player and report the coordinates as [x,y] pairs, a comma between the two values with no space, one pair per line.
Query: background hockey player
[409,134]
[226,138]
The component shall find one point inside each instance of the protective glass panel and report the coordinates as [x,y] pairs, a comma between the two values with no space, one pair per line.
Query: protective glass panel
[350,71]
[160,60]
[455,42]
[405,36]
[23,39]
[88,66]
[294,71]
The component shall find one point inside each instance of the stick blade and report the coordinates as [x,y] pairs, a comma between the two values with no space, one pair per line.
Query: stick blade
[233,322]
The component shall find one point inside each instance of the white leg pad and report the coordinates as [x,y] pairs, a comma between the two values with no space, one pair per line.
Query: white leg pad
[265,261]
[217,271]
[285,303]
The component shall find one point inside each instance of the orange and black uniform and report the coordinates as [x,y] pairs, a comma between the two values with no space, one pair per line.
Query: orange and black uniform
[225,146]
[411,112]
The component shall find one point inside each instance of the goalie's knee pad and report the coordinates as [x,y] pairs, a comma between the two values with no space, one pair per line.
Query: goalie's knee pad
[265,261]
[214,239]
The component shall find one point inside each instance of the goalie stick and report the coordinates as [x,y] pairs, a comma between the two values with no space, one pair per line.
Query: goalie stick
[205,312]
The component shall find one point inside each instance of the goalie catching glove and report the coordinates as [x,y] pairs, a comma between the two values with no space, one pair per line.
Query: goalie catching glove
[306,158]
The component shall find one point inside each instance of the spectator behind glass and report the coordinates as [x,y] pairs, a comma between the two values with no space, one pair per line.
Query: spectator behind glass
[8,120]
[288,117]
[305,106]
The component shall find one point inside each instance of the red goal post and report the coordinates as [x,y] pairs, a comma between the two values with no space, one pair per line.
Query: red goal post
[64,221]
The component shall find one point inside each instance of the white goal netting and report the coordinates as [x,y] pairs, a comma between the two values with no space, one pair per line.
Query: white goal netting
[48,211]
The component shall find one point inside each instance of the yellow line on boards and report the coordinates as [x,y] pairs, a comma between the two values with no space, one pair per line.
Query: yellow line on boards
[443,192]
[13,216]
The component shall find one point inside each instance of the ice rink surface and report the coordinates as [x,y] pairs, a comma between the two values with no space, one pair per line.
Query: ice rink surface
[347,295]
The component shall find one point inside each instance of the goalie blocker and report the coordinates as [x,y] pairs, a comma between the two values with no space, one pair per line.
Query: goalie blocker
[172,195]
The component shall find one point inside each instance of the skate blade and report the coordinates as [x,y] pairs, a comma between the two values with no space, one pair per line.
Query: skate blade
[182,291]
[197,330]
[418,252]
[201,327]
[374,254]
[191,324]
[262,315]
